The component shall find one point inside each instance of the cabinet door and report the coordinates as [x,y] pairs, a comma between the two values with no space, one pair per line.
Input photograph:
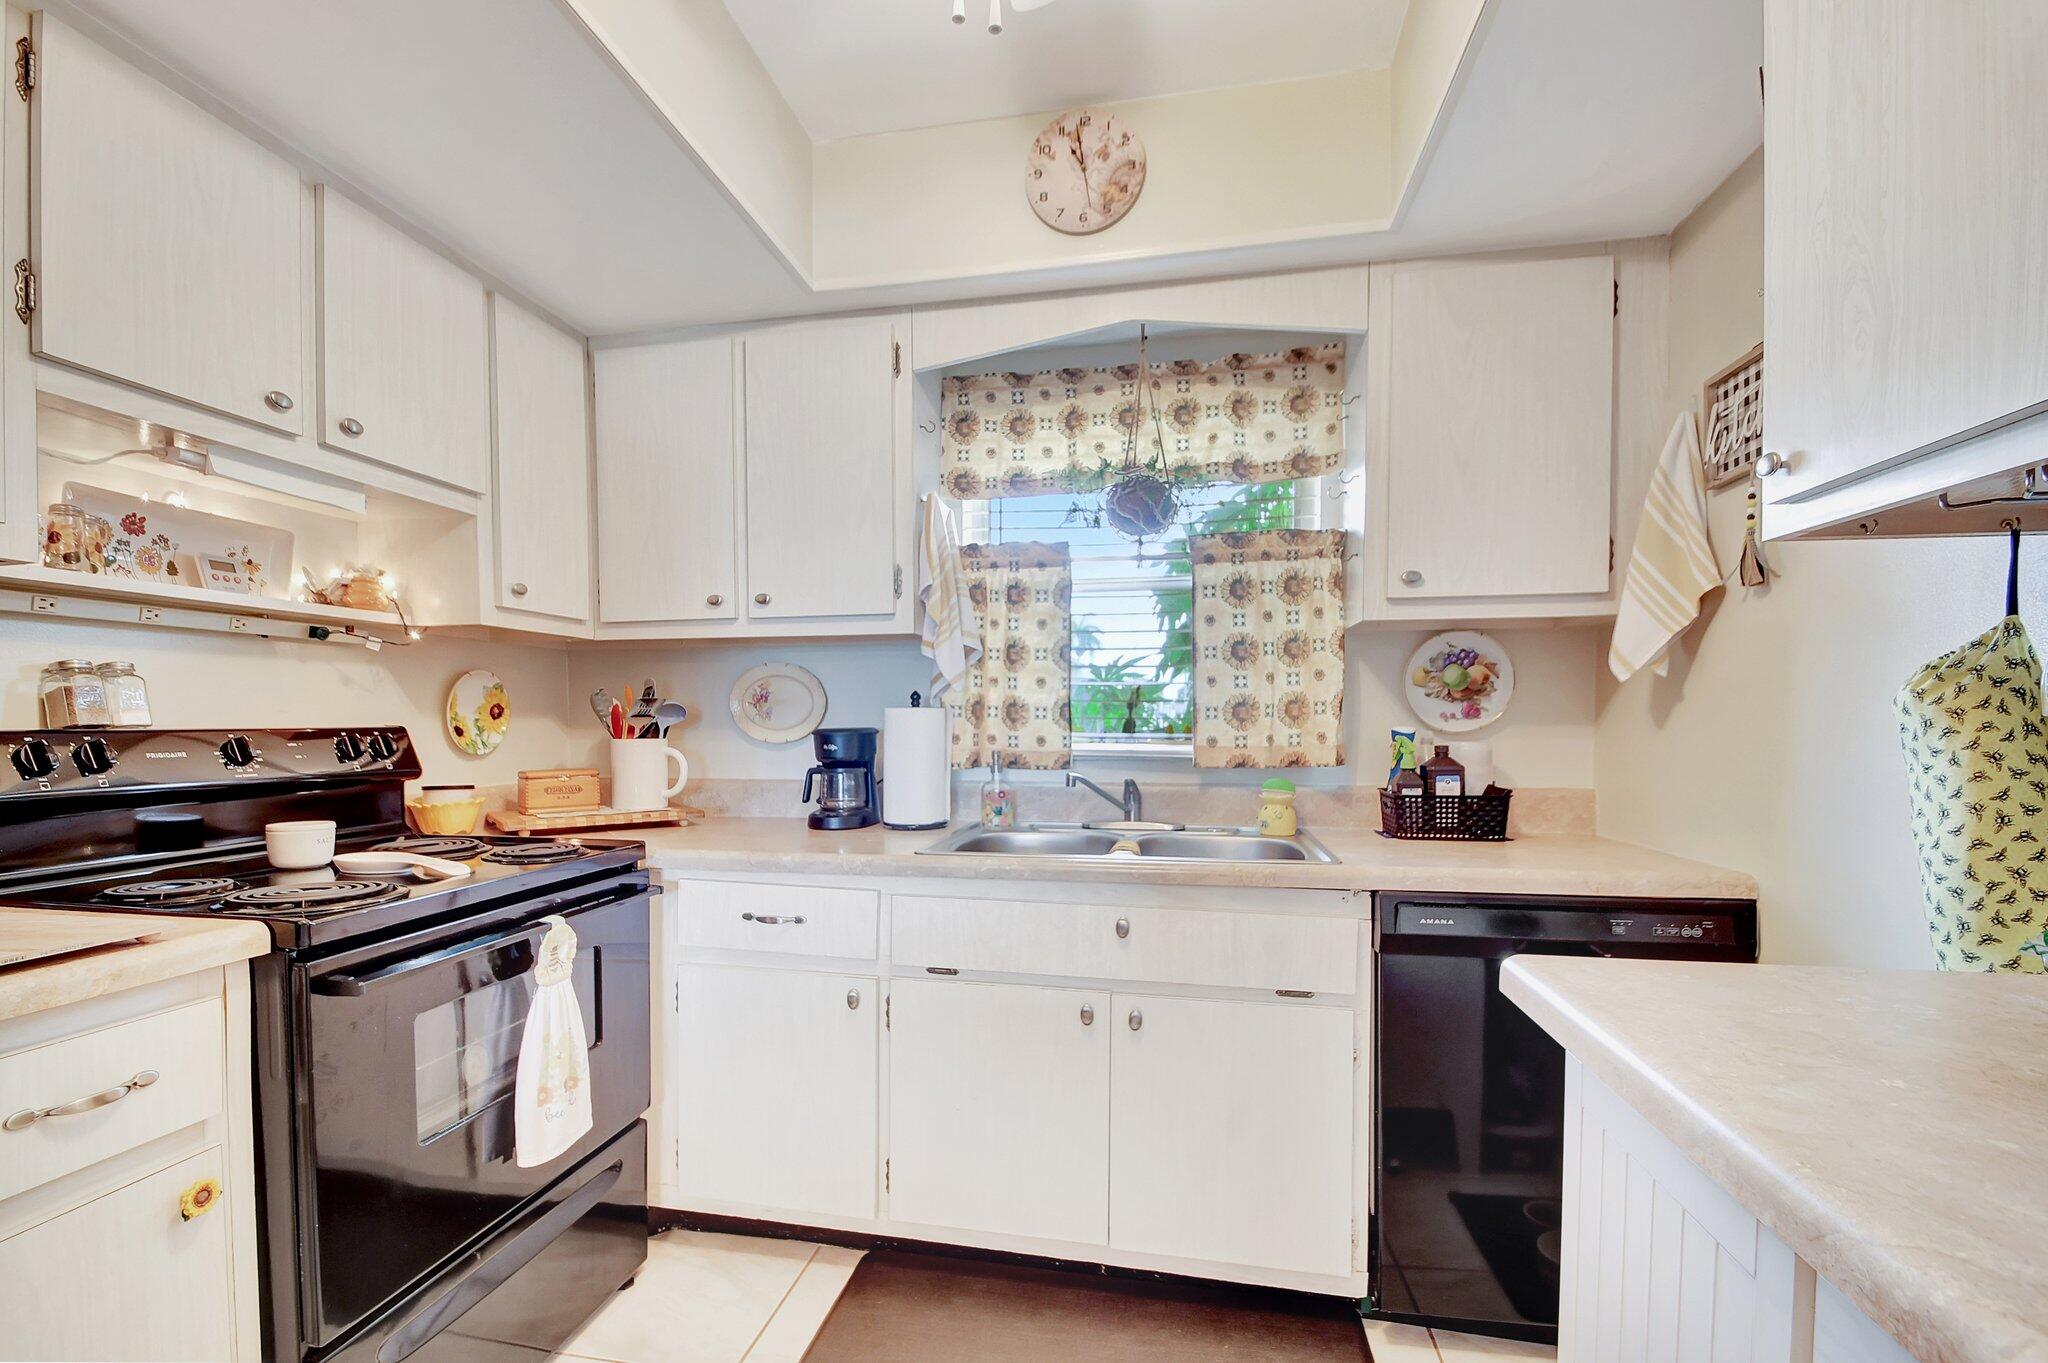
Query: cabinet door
[1905,229]
[666,455]
[404,350]
[999,1108]
[541,420]
[166,245]
[821,460]
[125,1276]
[1499,430]
[1230,1132]
[776,1077]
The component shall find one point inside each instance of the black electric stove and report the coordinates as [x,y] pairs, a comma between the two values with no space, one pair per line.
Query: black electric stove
[395,1219]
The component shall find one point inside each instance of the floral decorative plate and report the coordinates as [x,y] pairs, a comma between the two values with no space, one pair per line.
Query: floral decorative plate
[479,712]
[777,702]
[1460,680]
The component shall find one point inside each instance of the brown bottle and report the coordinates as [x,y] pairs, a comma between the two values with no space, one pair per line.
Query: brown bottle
[1443,774]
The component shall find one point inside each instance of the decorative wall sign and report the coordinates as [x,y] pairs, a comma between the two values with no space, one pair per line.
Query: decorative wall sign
[1733,401]
[1084,172]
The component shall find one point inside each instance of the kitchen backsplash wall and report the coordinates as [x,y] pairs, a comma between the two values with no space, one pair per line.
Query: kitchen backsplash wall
[1545,739]
[207,680]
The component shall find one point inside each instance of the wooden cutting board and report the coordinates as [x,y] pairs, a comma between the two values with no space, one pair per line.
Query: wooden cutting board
[584,820]
[37,934]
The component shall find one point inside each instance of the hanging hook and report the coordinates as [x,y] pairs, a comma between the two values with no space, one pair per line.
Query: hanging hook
[929,429]
[1344,401]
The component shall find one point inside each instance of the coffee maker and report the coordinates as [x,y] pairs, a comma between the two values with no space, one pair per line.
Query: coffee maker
[844,779]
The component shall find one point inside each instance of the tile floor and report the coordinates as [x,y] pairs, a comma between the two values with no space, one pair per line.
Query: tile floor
[705,1298]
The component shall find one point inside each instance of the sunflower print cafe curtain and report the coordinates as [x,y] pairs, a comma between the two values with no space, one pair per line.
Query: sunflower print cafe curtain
[1269,649]
[1014,699]
[1241,419]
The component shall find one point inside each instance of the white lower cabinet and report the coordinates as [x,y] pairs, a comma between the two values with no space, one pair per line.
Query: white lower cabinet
[1005,1078]
[156,1280]
[777,1071]
[1230,1131]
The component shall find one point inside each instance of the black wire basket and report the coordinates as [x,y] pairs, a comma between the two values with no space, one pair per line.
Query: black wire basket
[1461,818]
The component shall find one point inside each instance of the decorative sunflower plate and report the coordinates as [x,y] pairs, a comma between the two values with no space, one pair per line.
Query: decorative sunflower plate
[1459,680]
[479,712]
[777,702]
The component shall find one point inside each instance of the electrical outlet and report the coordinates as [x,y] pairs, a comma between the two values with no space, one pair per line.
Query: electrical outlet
[149,615]
[42,605]
[238,624]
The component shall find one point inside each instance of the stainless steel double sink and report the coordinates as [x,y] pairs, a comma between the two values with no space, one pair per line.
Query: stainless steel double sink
[1088,842]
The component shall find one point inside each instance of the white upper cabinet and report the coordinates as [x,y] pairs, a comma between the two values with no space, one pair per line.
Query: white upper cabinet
[1905,244]
[166,245]
[404,350]
[667,546]
[541,495]
[1497,428]
[822,499]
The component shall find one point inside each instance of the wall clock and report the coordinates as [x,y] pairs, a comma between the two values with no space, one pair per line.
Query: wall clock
[1084,172]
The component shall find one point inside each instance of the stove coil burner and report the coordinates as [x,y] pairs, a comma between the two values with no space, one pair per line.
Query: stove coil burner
[450,849]
[535,853]
[334,896]
[190,890]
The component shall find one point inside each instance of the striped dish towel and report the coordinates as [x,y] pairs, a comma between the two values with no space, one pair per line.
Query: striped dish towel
[949,630]
[1672,566]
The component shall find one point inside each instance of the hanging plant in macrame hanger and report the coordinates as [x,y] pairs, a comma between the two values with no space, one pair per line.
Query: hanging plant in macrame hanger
[1140,500]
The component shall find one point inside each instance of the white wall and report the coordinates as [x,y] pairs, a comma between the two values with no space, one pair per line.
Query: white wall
[207,680]
[1771,746]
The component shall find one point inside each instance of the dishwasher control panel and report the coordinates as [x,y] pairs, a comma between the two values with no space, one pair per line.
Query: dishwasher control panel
[1633,923]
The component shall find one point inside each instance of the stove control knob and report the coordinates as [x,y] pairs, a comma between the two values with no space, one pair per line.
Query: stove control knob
[348,749]
[35,759]
[383,747]
[93,757]
[236,752]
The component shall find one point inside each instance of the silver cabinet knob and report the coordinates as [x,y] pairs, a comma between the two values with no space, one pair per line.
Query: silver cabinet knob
[760,598]
[1123,927]
[519,589]
[1411,578]
[278,401]
[350,426]
[1137,1020]
[1087,1015]
[714,600]
[853,998]
[1770,462]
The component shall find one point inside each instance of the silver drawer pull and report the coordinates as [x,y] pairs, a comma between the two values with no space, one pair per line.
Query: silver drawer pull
[278,400]
[1087,1015]
[1123,927]
[773,919]
[853,998]
[29,1116]
[350,426]
[1137,1020]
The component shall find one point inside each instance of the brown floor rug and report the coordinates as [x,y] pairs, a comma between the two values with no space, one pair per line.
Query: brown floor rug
[909,1308]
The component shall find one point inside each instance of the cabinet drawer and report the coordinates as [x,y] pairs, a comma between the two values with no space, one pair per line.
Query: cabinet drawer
[186,1049]
[1107,942]
[791,920]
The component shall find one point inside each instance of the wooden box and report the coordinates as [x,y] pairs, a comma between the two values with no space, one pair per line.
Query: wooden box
[542,792]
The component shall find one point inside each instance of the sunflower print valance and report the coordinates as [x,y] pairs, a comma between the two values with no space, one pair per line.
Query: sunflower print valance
[1269,649]
[1241,419]
[1014,699]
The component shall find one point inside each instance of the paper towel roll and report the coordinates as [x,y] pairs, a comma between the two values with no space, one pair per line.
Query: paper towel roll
[917,766]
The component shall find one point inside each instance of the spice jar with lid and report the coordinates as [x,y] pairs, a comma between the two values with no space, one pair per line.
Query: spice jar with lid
[66,537]
[127,695]
[72,695]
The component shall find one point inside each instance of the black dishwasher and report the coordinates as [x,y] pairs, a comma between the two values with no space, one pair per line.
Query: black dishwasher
[1468,1094]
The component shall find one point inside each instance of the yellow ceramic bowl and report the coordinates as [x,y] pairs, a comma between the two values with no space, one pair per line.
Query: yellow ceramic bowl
[451,819]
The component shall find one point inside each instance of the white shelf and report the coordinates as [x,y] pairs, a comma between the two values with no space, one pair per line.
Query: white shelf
[58,583]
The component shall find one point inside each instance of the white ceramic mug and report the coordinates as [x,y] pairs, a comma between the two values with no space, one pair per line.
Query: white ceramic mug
[640,773]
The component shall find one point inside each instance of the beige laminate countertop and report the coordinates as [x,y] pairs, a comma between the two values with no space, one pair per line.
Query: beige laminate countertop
[1366,861]
[1887,1125]
[179,946]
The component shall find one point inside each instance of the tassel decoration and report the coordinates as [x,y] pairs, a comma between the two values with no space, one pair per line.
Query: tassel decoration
[1755,572]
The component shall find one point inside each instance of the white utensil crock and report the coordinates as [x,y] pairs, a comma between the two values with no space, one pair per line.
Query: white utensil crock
[640,773]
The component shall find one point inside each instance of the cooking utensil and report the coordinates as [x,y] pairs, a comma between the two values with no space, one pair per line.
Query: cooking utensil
[643,705]
[668,714]
[616,721]
[392,863]
[601,705]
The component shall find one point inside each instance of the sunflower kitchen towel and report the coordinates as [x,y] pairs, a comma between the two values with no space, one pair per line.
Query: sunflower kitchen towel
[1672,565]
[551,1090]
[1977,770]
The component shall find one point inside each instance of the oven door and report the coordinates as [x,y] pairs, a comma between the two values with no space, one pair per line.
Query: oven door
[405,1111]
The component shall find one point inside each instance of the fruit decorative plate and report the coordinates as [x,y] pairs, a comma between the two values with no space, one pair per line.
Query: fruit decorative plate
[1460,680]
[777,702]
[479,712]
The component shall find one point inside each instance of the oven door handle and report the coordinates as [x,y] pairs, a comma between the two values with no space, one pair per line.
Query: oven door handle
[343,985]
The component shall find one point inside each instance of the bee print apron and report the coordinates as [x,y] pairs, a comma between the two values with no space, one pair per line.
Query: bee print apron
[1977,765]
